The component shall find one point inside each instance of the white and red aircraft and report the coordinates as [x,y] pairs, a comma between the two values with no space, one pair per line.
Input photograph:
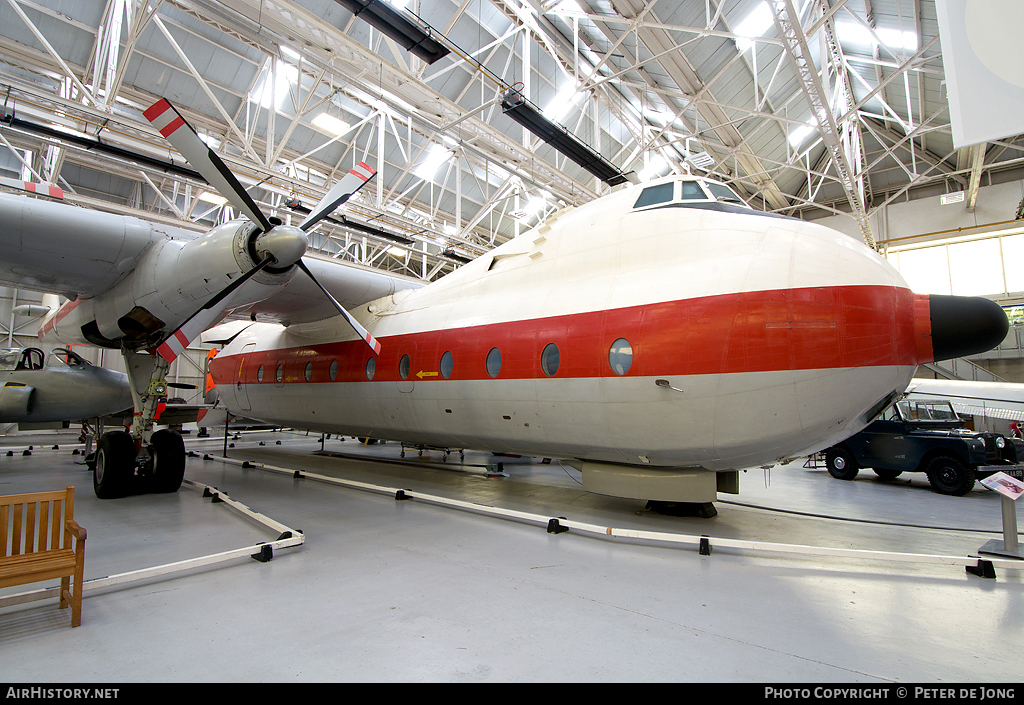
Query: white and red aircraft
[661,338]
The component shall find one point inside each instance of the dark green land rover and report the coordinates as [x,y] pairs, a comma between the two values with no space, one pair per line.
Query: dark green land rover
[926,436]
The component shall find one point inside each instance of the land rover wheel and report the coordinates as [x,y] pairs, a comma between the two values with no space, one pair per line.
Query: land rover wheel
[948,475]
[841,464]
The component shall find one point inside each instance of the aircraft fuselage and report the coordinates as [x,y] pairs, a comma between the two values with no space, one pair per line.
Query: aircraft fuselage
[712,336]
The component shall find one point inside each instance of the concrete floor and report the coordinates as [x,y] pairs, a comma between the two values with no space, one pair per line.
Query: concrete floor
[409,591]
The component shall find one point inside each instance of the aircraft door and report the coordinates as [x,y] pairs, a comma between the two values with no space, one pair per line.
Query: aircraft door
[241,390]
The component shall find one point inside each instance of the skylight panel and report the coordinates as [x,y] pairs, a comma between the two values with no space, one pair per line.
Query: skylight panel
[436,156]
[754,25]
[857,34]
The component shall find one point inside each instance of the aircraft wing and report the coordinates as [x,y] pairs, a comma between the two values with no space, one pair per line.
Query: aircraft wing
[62,249]
[300,301]
[1001,400]
[58,248]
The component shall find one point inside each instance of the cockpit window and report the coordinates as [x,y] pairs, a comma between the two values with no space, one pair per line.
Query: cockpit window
[9,359]
[724,193]
[662,193]
[691,190]
[64,356]
[21,359]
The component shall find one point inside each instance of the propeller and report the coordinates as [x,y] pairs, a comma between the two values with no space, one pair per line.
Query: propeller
[277,244]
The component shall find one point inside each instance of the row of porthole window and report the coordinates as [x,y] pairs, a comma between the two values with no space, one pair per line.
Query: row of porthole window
[620,358]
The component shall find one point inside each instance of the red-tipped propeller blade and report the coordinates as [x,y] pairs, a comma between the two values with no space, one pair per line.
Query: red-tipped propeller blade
[356,326]
[355,179]
[183,138]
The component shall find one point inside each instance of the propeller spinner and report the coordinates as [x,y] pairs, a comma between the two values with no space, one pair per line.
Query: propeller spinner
[277,245]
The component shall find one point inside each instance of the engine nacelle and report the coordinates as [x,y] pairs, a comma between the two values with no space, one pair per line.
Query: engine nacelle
[169,283]
[17,402]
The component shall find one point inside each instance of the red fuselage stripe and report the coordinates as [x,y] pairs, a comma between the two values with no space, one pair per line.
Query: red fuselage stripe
[789,329]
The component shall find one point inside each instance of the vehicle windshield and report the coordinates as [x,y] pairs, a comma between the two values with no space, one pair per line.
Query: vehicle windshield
[927,411]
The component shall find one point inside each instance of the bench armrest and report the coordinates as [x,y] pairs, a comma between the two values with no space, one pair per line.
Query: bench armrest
[76,530]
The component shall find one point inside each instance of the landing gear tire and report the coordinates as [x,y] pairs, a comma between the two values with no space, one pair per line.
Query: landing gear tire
[948,475]
[167,450]
[888,475]
[115,465]
[841,464]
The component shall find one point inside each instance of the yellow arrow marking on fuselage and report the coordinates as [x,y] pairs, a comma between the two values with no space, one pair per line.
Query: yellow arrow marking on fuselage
[421,374]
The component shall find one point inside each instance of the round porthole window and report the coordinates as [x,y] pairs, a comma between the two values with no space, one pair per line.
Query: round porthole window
[371,367]
[308,373]
[549,359]
[280,373]
[404,366]
[493,362]
[447,362]
[334,369]
[620,356]
[259,374]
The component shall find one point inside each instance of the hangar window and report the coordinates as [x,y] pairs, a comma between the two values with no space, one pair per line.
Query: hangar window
[259,374]
[662,193]
[493,362]
[334,369]
[549,359]
[447,363]
[404,366]
[620,356]
[371,367]
[308,374]
[280,373]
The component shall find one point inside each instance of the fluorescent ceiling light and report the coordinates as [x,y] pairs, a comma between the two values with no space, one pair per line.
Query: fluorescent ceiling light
[330,124]
[436,156]
[214,198]
[753,25]
[397,251]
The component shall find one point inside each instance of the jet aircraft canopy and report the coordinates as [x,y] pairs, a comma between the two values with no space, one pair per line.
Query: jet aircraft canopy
[33,359]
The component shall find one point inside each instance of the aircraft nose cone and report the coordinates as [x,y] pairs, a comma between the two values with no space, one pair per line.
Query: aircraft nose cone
[286,243]
[965,325]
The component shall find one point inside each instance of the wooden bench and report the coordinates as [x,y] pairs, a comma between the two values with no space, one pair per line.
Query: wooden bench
[32,527]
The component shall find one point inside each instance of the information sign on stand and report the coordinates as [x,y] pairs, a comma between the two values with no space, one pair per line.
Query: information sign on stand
[1010,488]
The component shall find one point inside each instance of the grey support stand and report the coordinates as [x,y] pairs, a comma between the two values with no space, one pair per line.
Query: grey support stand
[1008,547]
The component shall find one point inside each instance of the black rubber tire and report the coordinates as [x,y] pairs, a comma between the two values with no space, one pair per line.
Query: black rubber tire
[115,465]
[167,449]
[948,475]
[888,475]
[841,464]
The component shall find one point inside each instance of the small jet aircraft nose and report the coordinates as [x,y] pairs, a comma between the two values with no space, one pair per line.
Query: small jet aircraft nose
[965,325]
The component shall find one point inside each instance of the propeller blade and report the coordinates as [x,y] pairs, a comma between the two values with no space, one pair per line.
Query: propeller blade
[363,333]
[355,179]
[183,138]
[173,345]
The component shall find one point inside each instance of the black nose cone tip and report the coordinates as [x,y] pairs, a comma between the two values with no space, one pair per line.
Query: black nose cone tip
[965,325]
